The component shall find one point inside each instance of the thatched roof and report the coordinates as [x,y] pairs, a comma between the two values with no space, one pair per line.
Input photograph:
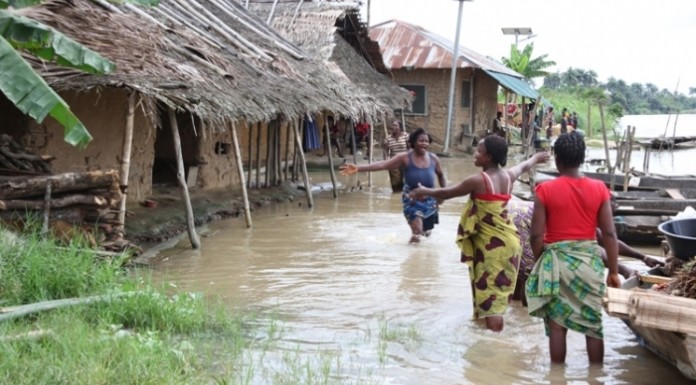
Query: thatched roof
[334,32]
[211,58]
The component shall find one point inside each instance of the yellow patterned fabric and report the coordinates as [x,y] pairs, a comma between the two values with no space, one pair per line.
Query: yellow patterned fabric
[491,247]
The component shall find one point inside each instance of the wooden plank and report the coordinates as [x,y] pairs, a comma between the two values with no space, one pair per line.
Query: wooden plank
[674,193]
[657,279]
[616,302]
[652,312]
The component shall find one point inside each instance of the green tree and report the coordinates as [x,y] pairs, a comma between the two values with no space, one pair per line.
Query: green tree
[522,62]
[25,87]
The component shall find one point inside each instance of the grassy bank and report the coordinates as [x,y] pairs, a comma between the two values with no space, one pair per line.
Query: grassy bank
[145,337]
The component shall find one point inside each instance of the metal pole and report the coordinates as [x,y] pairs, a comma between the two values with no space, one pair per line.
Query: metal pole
[453,79]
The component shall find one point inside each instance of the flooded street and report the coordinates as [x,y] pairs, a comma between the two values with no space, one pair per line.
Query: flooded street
[348,295]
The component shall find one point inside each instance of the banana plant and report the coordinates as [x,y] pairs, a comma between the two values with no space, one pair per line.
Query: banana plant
[25,87]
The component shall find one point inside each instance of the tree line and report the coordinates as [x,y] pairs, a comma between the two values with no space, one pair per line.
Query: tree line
[634,98]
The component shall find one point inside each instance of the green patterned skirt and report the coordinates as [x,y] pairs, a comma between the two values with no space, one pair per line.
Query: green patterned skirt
[566,285]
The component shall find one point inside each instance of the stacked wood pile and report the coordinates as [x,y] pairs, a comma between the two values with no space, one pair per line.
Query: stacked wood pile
[15,159]
[69,204]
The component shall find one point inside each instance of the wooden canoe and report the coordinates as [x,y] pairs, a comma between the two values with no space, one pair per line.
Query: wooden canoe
[647,183]
[639,229]
[679,349]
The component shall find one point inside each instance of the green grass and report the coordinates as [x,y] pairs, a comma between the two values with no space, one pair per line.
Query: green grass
[151,336]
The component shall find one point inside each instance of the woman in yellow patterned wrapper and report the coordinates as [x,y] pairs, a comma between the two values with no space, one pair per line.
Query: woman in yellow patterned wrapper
[486,234]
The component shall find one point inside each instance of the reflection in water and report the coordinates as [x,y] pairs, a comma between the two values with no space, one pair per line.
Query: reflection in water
[342,276]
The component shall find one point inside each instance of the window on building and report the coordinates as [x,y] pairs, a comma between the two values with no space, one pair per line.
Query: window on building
[466,94]
[418,107]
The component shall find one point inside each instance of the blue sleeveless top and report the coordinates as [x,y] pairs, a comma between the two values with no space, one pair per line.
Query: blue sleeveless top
[414,175]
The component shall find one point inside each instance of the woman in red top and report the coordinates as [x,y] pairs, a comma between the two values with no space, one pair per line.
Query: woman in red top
[566,284]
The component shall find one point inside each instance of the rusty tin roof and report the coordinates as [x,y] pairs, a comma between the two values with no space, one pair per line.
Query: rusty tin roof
[405,45]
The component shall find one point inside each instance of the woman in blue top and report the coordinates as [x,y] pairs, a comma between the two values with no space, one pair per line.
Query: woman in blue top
[419,166]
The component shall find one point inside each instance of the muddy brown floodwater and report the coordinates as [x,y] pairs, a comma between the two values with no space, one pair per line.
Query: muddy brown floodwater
[342,282]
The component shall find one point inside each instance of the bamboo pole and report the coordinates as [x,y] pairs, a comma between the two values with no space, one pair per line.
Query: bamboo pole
[249,149]
[299,4]
[240,168]
[270,15]
[308,188]
[257,27]
[8,313]
[258,155]
[328,149]
[183,188]
[125,161]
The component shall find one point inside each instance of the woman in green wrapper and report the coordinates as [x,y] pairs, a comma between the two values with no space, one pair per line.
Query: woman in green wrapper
[566,284]
[486,235]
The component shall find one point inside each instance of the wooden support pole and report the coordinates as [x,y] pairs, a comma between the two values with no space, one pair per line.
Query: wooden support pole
[183,188]
[308,187]
[250,163]
[288,140]
[258,155]
[267,174]
[125,161]
[370,148]
[328,150]
[240,168]
[47,210]
[629,153]
[278,155]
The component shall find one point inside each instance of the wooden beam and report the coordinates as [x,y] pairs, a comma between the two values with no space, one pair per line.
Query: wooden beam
[308,188]
[126,160]
[183,188]
[240,169]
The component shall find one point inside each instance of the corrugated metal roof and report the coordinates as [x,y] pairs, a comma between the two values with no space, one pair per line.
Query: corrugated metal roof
[516,85]
[405,45]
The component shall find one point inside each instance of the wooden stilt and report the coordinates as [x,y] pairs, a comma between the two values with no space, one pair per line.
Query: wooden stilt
[240,168]
[258,155]
[267,174]
[287,150]
[47,210]
[627,157]
[125,161]
[250,162]
[353,145]
[278,158]
[183,188]
[328,152]
[369,148]
[308,187]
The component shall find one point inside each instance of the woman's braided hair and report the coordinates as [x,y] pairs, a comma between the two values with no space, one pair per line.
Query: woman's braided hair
[569,150]
[497,148]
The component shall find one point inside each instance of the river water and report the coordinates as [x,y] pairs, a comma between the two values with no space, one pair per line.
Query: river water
[352,297]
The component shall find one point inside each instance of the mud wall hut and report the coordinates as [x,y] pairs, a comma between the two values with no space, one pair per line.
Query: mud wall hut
[212,64]
[421,61]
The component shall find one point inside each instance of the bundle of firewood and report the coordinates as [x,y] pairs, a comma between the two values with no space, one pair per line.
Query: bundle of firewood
[16,159]
[87,201]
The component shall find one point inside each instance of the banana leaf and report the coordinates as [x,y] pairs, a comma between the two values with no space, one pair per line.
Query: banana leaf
[34,97]
[51,45]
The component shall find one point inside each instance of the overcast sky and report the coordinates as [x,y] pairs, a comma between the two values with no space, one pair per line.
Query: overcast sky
[633,40]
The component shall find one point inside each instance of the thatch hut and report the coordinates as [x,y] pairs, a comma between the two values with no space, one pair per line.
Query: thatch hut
[207,66]
[333,32]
